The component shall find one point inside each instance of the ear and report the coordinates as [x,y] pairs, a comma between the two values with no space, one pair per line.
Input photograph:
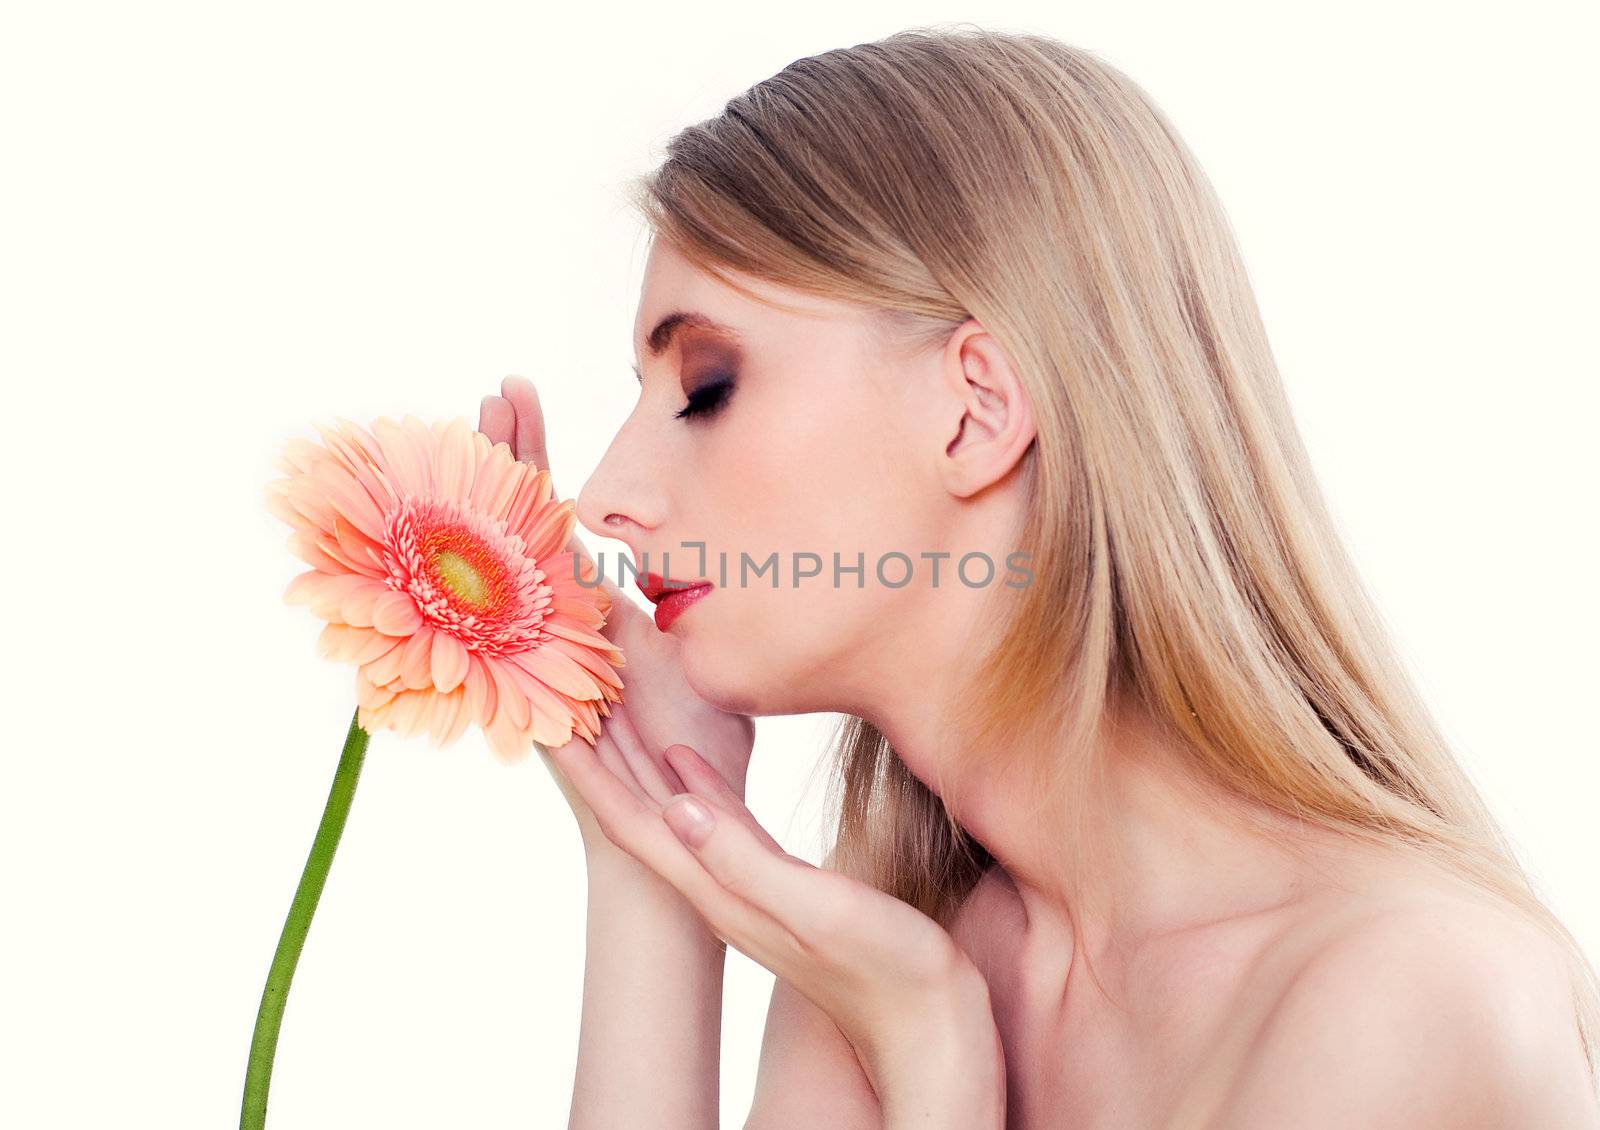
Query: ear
[993,423]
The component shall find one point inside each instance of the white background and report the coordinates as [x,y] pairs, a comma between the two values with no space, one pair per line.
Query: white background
[224,222]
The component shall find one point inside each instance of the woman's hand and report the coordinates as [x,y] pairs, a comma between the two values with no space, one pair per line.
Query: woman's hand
[900,989]
[658,705]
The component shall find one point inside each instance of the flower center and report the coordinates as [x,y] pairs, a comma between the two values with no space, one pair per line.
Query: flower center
[460,577]
[470,577]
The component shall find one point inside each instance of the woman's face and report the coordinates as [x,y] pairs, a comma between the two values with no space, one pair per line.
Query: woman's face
[779,438]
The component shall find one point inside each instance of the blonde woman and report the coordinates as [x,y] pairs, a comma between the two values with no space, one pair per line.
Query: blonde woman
[1140,826]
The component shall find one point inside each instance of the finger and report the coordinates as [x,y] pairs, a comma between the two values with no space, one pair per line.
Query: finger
[612,757]
[743,863]
[496,419]
[643,834]
[517,420]
[500,421]
[530,444]
[818,913]
[599,775]
[527,440]
[605,750]
[702,778]
[651,775]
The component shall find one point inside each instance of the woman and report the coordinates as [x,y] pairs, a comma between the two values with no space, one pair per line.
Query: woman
[1144,826]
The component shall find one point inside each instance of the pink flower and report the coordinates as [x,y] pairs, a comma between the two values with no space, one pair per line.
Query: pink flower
[441,566]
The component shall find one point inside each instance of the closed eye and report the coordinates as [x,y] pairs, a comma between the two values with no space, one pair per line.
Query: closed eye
[706,399]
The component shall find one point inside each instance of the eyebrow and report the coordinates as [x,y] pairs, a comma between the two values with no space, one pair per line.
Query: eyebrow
[659,339]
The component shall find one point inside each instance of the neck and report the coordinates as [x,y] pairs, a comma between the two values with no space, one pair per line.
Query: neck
[1165,850]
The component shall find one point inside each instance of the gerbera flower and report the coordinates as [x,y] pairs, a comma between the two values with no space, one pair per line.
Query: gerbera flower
[440,564]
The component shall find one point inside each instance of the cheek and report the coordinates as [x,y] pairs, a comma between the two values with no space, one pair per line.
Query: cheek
[798,479]
[821,475]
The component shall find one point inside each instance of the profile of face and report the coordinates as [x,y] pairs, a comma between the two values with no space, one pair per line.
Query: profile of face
[784,432]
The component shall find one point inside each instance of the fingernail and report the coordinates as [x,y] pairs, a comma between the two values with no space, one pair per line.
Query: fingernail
[689,820]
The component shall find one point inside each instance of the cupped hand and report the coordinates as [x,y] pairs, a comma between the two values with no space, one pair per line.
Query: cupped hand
[899,987]
[658,706]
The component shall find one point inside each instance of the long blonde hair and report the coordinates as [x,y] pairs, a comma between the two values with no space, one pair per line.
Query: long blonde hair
[952,172]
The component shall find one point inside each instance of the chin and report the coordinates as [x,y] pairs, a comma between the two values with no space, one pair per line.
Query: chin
[721,679]
[757,681]
[733,695]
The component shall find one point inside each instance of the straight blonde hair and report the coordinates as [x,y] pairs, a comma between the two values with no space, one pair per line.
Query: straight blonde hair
[1190,561]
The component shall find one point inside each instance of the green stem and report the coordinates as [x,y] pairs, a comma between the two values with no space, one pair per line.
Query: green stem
[264,1044]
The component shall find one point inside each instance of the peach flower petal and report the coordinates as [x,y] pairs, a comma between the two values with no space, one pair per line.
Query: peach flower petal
[556,670]
[416,668]
[449,662]
[480,690]
[440,567]
[396,614]
[357,605]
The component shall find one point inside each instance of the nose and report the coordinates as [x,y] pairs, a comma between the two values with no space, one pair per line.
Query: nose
[622,499]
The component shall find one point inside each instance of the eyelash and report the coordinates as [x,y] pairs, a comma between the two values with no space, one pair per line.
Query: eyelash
[707,399]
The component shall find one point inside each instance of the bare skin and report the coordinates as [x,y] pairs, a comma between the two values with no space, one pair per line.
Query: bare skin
[1341,987]
[1356,988]
[1269,974]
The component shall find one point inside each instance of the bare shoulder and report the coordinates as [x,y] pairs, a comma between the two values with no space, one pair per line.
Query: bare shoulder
[1423,1004]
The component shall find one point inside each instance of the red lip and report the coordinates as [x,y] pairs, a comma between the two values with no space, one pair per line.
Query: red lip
[655,587]
[670,597]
